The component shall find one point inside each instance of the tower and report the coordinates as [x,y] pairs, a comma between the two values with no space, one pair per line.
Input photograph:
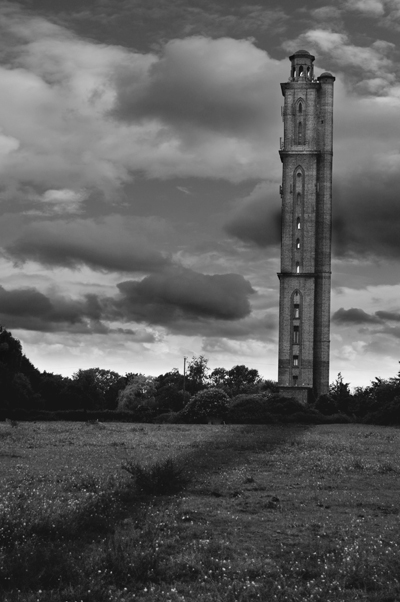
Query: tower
[306,191]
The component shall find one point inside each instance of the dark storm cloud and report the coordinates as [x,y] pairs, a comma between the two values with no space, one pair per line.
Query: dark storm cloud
[388,315]
[219,85]
[180,299]
[114,243]
[180,293]
[257,219]
[31,309]
[24,302]
[366,215]
[354,316]
[140,24]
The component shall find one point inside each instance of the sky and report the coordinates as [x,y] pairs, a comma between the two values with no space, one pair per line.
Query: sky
[139,180]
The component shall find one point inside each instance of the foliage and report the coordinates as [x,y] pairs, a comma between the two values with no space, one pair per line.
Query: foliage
[285,405]
[250,409]
[388,413]
[326,405]
[197,370]
[169,392]
[18,377]
[139,392]
[162,478]
[208,403]
[237,380]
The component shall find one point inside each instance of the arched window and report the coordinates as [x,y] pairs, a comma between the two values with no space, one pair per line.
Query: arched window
[301,71]
[299,197]
[298,222]
[300,133]
[298,243]
[299,174]
[297,267]
[300,107]
[296,305]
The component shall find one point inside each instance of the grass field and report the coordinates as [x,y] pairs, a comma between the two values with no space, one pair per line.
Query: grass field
[280,513]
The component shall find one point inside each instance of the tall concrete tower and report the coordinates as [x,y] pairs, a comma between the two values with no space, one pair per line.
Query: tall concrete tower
[306,191]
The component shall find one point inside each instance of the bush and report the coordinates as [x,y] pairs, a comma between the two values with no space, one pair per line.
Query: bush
[326,404]
[285,406]
[388,413]
[250,409]
[163,478]
[167,418]
[205,404]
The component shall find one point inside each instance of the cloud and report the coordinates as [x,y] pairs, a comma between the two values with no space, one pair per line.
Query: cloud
[166,19]
[212,103]
[178,299]
[354,316]
[367,226]
[200,107]
[57,202]
[180,294]
[111,243]
[31,309]
[388,315]
[340,52]
[257,218]
[373,8]
[327,15]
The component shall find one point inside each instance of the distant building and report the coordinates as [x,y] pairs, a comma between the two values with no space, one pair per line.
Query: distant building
[306,191]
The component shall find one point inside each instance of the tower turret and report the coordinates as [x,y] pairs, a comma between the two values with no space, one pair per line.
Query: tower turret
[302,66]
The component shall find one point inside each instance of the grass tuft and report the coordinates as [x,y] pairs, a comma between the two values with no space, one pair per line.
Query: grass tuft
[162,478]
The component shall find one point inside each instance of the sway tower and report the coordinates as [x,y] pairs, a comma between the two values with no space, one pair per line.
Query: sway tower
[306,192]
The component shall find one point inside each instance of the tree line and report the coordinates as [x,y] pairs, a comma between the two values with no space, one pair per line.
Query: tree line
[24,387]
[239,394]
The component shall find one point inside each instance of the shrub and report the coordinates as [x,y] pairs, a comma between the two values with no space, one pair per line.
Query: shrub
[326,404]
[207,403]
[387,414]
[250,409]
[285,406]
[167,418]
[162,478]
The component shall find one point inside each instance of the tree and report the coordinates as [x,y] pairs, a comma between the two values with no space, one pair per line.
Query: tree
[340,393]
[197,374]
[98,388]
[140,391]
[209,403]
[19,379]
[219,378]
[243,380]
[169,392]
[51,389]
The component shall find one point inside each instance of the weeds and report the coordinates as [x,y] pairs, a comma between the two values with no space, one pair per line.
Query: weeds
[162,478]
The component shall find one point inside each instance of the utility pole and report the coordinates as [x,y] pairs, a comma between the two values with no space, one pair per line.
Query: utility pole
[184,375]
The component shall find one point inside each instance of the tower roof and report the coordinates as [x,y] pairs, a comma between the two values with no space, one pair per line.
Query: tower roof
[302,53]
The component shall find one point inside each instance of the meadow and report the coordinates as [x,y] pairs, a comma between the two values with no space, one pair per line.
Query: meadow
[272,513]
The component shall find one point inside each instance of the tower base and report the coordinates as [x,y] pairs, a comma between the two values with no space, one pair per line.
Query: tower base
[302,394]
